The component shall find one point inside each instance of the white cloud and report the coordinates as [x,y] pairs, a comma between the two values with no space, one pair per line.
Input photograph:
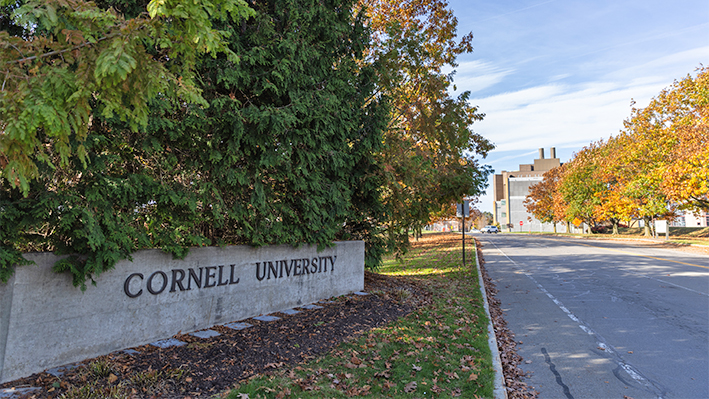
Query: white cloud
[562,114]
[475,76]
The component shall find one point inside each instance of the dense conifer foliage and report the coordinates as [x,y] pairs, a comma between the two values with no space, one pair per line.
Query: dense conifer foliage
[279,150]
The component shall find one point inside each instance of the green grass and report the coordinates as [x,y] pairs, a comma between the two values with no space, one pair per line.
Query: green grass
[440,350]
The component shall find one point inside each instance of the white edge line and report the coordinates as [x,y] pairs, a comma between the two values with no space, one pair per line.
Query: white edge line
[632,372]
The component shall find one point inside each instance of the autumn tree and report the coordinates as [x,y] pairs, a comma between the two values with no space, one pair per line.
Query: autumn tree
[658,163]
[578,186]
[543,200]
[659,159]
[684,108]
[429,154]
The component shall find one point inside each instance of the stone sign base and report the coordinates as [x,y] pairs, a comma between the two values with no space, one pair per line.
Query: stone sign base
[46,322]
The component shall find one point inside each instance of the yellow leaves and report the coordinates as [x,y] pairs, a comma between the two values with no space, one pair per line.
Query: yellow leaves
[156,7]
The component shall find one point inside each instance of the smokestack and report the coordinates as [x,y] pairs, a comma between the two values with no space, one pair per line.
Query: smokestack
[541,153]
[553,152]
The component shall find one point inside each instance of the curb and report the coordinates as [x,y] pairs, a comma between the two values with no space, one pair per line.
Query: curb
[499,390]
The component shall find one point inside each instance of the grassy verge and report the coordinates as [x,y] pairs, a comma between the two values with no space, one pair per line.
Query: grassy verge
[439,350]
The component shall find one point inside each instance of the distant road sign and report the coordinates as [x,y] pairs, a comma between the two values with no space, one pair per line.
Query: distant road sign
[520,223]
[463,210]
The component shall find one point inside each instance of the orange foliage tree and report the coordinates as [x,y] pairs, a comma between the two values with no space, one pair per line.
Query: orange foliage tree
[430,150]
[657,164]
[544,201]
[685,174]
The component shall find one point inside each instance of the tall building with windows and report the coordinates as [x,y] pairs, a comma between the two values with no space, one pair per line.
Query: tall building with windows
[510,190]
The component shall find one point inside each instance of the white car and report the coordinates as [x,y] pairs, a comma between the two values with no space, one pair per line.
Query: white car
[490,229]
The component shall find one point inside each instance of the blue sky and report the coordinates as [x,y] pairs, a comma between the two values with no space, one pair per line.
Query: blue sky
[562,73]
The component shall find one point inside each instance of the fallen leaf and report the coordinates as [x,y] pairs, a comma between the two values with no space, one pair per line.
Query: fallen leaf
[452,375]
[417,368]
[243,396]
[410,387]
[473,377]
[456,392]
[112,378]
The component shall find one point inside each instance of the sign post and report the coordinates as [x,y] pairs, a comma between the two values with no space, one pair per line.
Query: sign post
[463,211]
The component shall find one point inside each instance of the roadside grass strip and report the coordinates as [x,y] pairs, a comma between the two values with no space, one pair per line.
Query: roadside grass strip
[439,350]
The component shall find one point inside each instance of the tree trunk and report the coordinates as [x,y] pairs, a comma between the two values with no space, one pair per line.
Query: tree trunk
[647,227]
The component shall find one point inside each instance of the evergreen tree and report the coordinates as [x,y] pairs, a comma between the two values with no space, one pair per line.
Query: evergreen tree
[280,151]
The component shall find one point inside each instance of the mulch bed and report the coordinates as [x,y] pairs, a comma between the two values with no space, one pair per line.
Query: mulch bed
[213,365]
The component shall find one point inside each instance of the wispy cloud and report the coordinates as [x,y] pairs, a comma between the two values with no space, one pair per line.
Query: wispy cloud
[562,114]
[475,76]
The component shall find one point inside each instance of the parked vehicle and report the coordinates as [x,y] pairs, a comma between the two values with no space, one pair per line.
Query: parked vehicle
[490,229]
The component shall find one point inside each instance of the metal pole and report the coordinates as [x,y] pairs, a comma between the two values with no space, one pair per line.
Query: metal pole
[463,235]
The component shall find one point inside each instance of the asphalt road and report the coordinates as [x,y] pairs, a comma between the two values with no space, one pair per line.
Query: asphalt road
[604,319]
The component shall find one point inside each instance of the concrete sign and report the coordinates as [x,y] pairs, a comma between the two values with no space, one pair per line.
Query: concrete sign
[46,322]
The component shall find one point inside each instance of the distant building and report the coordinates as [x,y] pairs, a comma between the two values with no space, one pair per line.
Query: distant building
[690,219]
[510,190]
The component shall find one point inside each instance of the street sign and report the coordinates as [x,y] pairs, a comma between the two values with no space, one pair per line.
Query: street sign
[520,223]
[463,209]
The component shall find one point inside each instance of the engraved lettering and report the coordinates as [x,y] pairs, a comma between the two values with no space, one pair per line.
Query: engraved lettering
[193,277]
[126,286]
[260,277]
[149,285]
[177,281]
[272,268]
[284,265]
[231,276]
[221,282]
[210,273]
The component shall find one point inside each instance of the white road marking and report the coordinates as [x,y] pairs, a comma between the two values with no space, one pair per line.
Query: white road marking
[667,282]
[600,341]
